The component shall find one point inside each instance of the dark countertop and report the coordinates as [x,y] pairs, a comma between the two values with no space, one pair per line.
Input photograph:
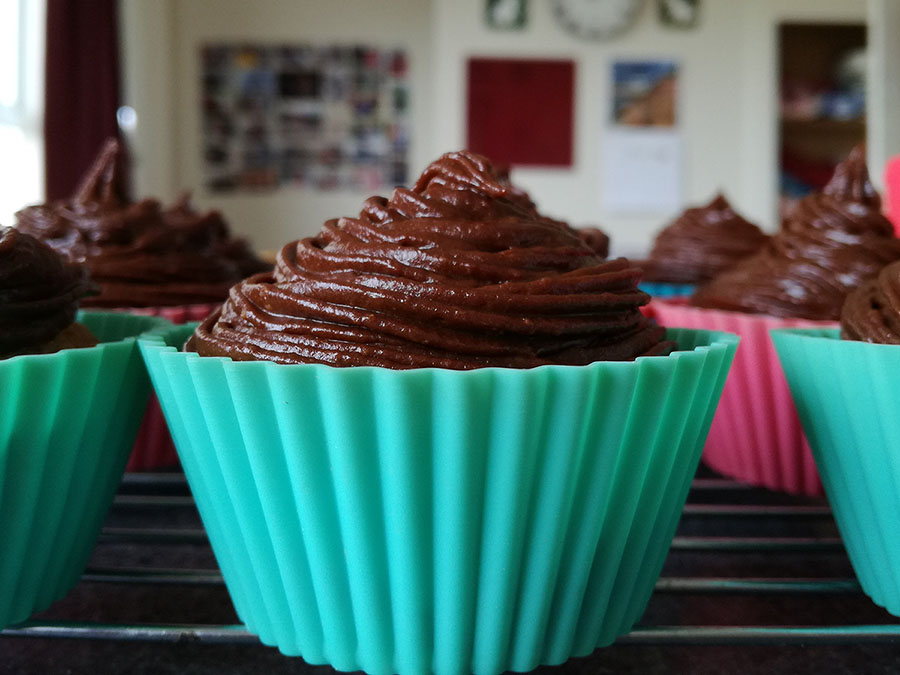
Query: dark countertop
[797,544]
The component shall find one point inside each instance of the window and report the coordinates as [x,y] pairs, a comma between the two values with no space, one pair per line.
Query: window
[21,104]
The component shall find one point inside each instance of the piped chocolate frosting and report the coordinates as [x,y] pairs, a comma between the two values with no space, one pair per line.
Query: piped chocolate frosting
[835,239]
[871,313]
[138,254]
[458,272]
[701,243]
[39,292]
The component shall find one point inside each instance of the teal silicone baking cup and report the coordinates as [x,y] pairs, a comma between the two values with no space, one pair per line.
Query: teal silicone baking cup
[67,424]
[434,520]
[847,394]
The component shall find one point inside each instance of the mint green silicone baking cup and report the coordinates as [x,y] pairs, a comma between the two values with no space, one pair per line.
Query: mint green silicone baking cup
[67,424]
[440,521]
[847,394]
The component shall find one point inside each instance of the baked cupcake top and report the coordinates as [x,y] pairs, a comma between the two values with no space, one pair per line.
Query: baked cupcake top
[39,292]
[835,239]
[871,313]
[139,255]
[458,272]
[699,244]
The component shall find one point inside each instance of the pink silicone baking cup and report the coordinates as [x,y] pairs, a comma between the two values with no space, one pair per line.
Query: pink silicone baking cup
[153,447]
[756,436]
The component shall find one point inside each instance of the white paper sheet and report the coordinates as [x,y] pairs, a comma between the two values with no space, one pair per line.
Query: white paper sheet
[641,171]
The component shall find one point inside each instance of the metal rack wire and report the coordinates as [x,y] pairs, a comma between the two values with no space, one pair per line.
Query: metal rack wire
[759,550]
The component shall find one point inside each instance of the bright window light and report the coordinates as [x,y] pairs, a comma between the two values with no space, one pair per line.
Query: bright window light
[22,30]
[10,62]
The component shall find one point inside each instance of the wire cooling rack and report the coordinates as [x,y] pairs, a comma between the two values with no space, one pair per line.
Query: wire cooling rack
[748,568]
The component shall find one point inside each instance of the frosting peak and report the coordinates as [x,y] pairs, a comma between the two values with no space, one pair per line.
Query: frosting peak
[103,184]
[850,182]
[458,272]
[39,292]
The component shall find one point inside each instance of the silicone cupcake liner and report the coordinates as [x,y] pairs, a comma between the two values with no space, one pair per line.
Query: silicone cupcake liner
[664,290]
[153,447]
[436,520]
[756,436]
[67,423]
[847,397]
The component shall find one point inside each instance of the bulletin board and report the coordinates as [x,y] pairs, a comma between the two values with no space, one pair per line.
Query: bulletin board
[520,111]
[324,117]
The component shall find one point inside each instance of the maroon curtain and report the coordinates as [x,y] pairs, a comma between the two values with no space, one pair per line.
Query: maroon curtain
[82,88]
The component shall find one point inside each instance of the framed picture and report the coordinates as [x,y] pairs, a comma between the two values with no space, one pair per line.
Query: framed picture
[506,14]
[679,13]
[644,93]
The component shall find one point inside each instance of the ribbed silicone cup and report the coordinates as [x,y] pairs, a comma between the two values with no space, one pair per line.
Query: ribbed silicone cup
[663,290]
[847,397]
[153,447]
[67,424]
[756,436]
[434,520]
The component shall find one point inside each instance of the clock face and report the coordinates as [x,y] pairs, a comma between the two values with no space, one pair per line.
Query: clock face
[596,19]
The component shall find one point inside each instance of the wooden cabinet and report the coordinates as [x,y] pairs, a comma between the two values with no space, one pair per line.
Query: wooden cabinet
[822,111]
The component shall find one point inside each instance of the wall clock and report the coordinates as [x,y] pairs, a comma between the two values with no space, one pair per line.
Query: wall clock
[597,19]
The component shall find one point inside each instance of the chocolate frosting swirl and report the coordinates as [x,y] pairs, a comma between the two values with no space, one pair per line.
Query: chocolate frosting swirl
[835,239]
[39,292]
[458,272]
[699,244]
[871,313]
[596,239]
[209,232]
[139,255]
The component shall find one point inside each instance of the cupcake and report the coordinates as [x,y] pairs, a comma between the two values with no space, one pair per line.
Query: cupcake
[835,240]
[701,243]
[846,396]
[174,263]
[71,398]
[37,319]
[140,255]
[439,436]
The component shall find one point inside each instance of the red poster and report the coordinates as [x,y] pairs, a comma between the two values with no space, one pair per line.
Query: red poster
[520,111]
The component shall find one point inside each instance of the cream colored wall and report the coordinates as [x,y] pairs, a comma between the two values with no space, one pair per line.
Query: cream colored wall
[727,98]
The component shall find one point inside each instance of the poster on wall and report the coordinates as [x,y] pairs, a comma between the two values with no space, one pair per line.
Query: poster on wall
[328,118]
[642,155]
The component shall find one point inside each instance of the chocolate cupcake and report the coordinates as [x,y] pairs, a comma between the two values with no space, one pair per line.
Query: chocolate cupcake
[139,255]
[452,499]
[71,398]
[871,313]
[835,240]
[844,385]
[457,272]
[174,263]
[39,295]
[701,243]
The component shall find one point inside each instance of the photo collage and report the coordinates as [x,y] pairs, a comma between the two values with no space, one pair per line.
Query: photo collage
[328,118]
